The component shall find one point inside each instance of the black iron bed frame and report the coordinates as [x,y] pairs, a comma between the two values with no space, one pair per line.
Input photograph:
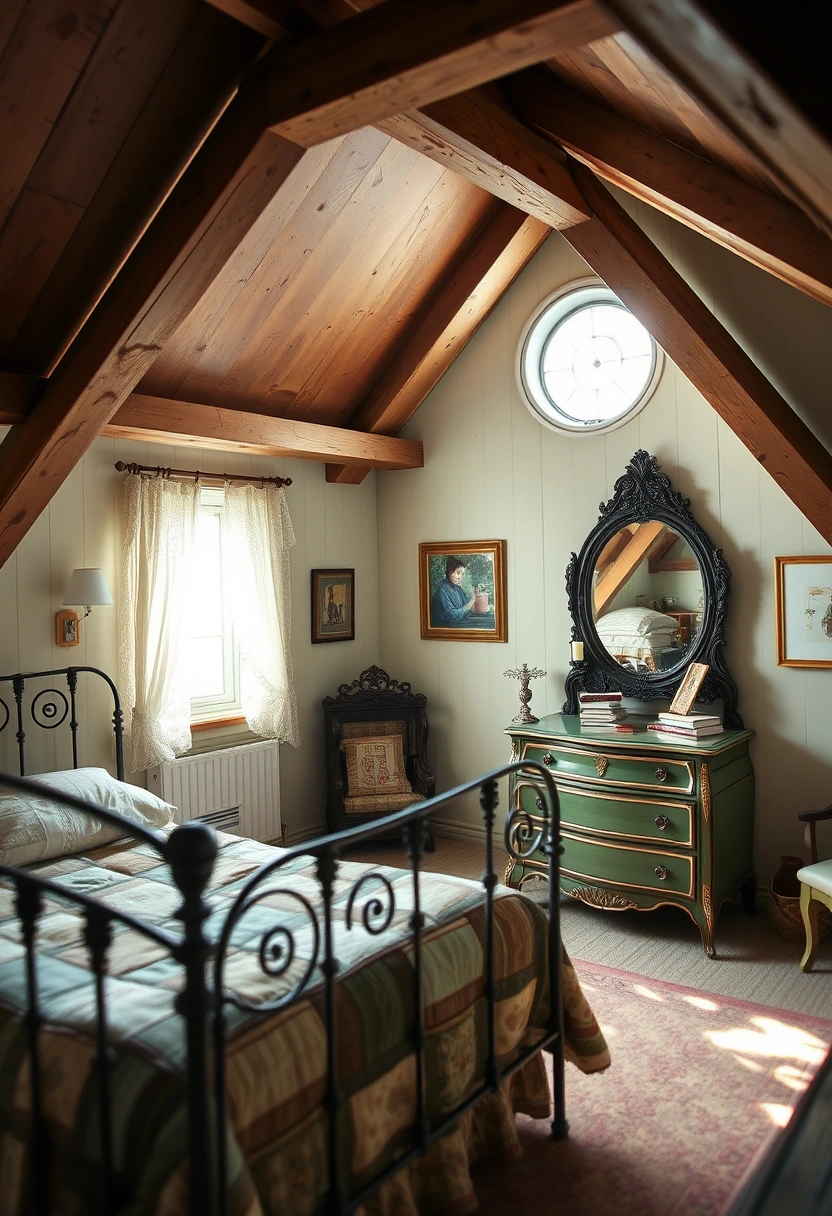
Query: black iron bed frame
[190,851]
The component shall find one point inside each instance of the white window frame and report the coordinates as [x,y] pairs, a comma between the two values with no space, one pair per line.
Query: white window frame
[543,322]
[228,703]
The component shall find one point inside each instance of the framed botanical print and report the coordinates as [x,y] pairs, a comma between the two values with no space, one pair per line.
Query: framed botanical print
[462,590]
[333,605]
[803,611]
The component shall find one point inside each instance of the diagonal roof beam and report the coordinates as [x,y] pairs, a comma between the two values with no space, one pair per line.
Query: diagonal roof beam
[459,305]
[405,54]
[236,174]
[700,346]
[477,136]
[686,39]
[764,229]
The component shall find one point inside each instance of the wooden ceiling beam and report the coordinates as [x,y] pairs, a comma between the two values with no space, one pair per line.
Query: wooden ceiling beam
[476,135]
[234,176]
[457,308]
[198,80]
[700,346]
[639,546]
[753,103]
[164,420]
[160,420]
[766,230]
[405,54]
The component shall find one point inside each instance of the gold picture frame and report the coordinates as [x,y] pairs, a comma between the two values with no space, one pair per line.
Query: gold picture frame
[803,611]
[462,590]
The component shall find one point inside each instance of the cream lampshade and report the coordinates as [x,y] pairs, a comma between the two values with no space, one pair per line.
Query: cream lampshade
[87,586]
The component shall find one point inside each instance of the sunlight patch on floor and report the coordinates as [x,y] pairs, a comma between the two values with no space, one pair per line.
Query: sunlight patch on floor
[771,1038]
[778,1114]
[699,1002]
[648,992]
[791,1077]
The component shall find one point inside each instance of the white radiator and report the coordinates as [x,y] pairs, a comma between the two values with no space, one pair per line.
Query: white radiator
[236,789]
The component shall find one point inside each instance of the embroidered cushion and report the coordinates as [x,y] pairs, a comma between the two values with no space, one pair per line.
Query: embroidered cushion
[375,765]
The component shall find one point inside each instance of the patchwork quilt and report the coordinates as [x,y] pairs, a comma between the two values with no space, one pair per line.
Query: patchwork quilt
[275,1062]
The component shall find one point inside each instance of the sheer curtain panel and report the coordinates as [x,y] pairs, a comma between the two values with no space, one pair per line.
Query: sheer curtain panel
[260,534]
[158,522]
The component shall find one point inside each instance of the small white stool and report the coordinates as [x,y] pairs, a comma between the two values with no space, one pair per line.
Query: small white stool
[815,889]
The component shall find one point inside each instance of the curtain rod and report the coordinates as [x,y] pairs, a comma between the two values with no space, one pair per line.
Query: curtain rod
[158,471]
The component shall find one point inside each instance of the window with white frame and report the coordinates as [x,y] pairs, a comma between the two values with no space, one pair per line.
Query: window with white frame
[213,652]
[584,362]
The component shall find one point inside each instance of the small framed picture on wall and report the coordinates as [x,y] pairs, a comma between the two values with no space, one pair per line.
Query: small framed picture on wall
[333,605]
[803,611]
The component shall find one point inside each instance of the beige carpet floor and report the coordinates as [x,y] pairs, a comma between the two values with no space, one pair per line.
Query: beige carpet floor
[753,963]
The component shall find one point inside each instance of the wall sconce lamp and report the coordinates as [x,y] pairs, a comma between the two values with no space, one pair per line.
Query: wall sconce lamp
[87,586]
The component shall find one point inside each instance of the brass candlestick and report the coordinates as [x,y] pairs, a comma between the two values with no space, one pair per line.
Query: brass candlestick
[524,674]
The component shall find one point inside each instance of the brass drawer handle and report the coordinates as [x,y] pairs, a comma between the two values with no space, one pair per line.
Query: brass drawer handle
[661,774]
[539,802]
[662,822]
[548,758]
[661,872]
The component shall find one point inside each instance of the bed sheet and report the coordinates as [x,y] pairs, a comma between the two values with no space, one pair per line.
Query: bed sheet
[276,1062]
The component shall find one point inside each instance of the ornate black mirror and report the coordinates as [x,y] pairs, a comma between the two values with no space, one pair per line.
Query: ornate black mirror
[647,594]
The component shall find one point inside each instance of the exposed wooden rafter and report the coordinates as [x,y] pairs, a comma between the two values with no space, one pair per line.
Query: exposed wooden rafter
[216,201]
[700,346]
[163,420]
[460,306]
[688,40]
[159,420]
[640,544]
[407,53]
[767,231]
[477,136]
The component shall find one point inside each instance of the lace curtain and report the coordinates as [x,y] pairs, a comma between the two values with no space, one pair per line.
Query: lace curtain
[158,522]
[259,535]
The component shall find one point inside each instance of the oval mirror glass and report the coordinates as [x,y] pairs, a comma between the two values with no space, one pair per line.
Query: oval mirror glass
[648,597]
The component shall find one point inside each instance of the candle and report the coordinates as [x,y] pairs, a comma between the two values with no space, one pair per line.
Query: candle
[577,652]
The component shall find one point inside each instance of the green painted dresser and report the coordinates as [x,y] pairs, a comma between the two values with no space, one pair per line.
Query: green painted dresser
[643,822]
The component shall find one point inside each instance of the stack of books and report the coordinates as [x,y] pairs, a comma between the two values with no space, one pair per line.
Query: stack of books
[602,711]
[670,726]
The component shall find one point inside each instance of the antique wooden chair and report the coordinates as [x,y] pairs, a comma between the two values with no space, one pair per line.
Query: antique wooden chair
[815,884]
[376,735]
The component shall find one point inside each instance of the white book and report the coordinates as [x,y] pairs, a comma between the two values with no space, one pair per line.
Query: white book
[691,719]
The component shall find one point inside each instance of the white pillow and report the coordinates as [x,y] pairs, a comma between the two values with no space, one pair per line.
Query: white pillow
[643,621]
[35,829]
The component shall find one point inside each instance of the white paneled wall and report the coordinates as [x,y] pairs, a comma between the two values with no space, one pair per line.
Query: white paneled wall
[491,471]
[335,526]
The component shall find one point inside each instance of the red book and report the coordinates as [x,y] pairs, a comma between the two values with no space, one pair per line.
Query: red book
[586,698]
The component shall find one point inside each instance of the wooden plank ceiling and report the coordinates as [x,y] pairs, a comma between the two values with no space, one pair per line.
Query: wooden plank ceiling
[272,225]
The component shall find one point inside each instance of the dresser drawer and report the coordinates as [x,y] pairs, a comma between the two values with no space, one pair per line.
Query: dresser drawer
[620,816]
[618,865]
[609,769]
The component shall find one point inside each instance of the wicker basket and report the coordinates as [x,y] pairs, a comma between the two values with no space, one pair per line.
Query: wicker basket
[784,904]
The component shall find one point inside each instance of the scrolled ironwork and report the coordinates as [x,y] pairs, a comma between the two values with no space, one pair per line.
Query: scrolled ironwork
[48,704]
[277,951]
[4,709]
[374,905]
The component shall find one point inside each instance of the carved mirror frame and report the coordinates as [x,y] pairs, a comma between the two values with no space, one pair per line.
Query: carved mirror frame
[641,494]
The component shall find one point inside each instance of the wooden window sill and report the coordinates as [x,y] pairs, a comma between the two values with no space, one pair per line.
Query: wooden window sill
[216,723]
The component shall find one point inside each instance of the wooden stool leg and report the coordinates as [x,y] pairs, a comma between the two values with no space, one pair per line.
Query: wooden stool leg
[809,910]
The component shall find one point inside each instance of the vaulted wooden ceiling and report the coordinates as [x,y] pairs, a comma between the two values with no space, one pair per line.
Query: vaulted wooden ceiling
[272,225]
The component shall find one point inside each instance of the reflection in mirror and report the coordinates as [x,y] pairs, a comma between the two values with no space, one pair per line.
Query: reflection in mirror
[648,597]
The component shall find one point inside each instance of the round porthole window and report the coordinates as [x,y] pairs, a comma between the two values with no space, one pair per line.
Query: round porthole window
[584,362]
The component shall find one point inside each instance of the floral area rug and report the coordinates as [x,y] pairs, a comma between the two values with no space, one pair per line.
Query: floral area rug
[698,1087]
